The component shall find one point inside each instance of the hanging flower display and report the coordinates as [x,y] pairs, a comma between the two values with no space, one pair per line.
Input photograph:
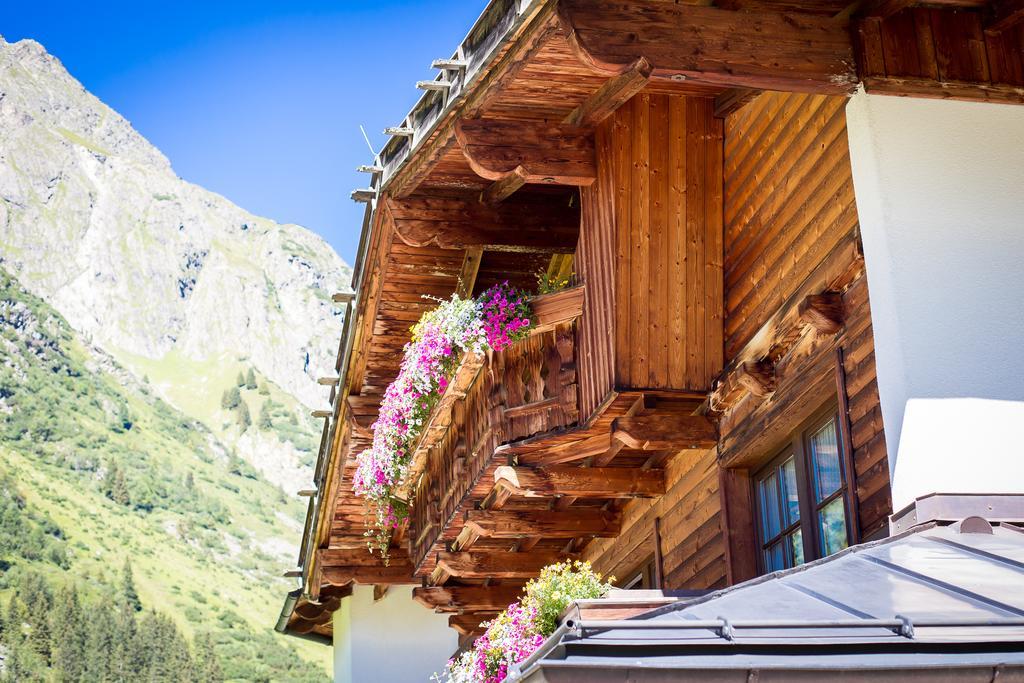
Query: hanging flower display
[520,630]
[497,318]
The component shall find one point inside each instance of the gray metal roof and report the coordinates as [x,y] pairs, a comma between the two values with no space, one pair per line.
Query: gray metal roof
[932,600]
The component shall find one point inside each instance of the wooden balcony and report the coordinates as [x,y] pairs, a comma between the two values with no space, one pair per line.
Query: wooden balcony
[526,389]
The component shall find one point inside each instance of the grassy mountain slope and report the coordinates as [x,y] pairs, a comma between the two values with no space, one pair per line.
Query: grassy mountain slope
[118,472]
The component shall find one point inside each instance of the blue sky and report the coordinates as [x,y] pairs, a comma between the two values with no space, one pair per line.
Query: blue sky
[258,101]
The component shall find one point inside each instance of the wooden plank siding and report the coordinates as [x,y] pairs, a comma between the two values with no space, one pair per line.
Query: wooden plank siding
[790,216]
[651,254]
[651,249]
[788,202]
[691,535]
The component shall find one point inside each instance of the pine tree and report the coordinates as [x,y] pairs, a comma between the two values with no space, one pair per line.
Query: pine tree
[113,471]
[266,418]
[190,482]
[37,601]
[265,389]
[242,416]
[231,399]
[119,490]
[126,659]
[128,591]
[68,636]
[240,380]
[250,379]
[100,645]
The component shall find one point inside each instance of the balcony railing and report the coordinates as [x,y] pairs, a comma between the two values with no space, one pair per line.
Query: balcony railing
[526,389]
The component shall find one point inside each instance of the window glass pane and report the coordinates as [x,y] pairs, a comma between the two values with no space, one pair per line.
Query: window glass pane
[832,518]
[825,456]
[768,500]
[790,492]
[796,546]
[774,558]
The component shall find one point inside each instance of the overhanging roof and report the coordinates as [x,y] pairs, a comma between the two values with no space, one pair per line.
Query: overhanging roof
[933,599]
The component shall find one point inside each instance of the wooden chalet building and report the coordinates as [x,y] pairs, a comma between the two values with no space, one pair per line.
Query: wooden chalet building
[719,395]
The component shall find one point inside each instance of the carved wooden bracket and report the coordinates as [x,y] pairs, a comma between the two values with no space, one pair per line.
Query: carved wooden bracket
[823,312]
[536,152]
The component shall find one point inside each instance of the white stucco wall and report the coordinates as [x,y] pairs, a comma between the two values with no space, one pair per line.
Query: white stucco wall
[394,640]
[940,194]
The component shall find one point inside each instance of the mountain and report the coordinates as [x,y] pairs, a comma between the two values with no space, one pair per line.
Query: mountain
[176,282]
[159,349]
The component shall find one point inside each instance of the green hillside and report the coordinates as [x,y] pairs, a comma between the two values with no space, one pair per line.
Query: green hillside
[96,470]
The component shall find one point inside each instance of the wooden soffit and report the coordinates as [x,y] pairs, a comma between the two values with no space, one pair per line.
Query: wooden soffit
[537,223]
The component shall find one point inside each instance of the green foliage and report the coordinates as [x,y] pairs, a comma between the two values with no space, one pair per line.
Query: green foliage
[24,534]
[99,638]
[283,422]
[250,379]
[548,283]
[558,585]
[240,380]
[95,469]
[128,590]
[242,416]
[231,398]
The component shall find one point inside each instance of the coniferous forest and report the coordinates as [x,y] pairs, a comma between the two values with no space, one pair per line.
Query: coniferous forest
[62,634]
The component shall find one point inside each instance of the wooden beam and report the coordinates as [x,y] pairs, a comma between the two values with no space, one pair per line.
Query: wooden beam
[467,598]
[660,431]
[500,564]
[757,377]
[588,482]
[736,493]
[798,52]
[470,268]
[616,444]
[615,92]
[468,624]
[1003,15]
[929,88]
[361,557]
[586,522]
[823,312]
[368,576]
[500,190]
[525,224]
[555,154]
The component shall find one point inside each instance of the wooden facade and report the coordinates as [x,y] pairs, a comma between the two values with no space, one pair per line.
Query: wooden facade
[705,196]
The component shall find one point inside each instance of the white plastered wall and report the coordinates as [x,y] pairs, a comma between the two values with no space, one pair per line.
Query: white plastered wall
[940,195]
[393,640]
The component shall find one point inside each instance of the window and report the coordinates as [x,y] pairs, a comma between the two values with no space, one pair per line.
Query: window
[801,498]
[640,578]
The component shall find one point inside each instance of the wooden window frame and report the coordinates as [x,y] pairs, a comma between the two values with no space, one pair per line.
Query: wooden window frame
[798,446]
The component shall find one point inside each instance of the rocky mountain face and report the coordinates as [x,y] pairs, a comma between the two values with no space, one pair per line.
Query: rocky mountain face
[181,286]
